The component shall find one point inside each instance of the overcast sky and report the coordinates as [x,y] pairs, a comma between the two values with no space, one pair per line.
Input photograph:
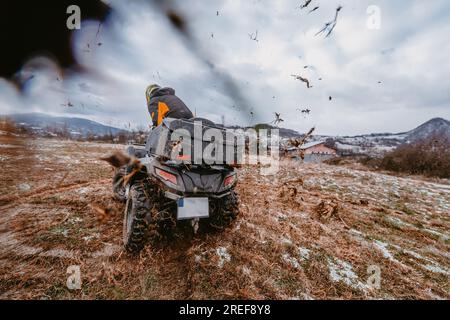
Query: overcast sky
[408,55]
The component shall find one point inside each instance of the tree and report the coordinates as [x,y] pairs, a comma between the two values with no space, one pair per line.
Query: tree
[330,143]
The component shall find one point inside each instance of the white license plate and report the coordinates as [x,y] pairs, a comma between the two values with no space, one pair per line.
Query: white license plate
[191,208]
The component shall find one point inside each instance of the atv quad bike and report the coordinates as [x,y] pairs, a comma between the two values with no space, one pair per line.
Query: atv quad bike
[164,194]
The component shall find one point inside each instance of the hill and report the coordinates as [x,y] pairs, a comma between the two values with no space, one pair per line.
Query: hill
[77,126]
[377,143]
[434,126]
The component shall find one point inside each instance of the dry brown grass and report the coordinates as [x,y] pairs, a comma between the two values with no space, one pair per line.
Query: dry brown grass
[310,232]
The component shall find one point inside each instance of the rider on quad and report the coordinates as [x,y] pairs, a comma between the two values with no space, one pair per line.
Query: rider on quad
[162,103]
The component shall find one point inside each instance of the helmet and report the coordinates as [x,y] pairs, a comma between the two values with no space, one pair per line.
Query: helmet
[150,90]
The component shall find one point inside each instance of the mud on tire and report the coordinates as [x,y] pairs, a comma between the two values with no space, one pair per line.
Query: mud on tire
[135,224]
[224,212]
[118,187]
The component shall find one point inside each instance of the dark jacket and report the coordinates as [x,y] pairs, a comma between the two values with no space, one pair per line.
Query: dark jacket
[165,104]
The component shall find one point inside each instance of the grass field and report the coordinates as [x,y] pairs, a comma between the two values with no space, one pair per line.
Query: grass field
[311,232]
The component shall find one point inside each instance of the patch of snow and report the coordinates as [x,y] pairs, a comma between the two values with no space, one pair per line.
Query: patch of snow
[90,237]
[304,253]
[286,241]
[431,265]
[9,146]
[107,251]
[434,296]
[75,220]
[341,271]
[42,158]
[442,236]
[305,296]
[58,253]
[382,246]
[83,190]
[24,187]
[438,252]
[246,271]
[67,159]
[357,233]
[414,254]
[8,243]
[224,256]
[281,216]
[400,223]
[303,215]
[436,269]
[291,261]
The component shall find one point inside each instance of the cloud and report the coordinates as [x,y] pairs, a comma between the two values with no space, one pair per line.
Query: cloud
[138,46]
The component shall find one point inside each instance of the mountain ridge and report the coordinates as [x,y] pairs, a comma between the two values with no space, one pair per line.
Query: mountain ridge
[78,125]
[86,126]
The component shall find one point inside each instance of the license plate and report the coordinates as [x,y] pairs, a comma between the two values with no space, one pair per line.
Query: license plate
[191,208]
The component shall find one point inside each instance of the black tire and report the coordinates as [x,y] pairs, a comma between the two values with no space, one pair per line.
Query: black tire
[135,225]
[118,187]
[225,211]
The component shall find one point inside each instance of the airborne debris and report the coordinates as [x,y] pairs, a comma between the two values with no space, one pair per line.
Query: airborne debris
[304,111]
[330,25]
[98,29]
[306,4]
[297,143]
[117,159]
[68,104]
[314,9]
[298,77]
[278,119]
[252,114]
[103,213]
[325,210]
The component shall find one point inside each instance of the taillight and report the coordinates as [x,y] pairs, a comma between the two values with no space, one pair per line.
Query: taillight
[166,175]
[229,180]
[185,157]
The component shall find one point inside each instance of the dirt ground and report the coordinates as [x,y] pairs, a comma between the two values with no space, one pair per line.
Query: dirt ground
[311,232]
